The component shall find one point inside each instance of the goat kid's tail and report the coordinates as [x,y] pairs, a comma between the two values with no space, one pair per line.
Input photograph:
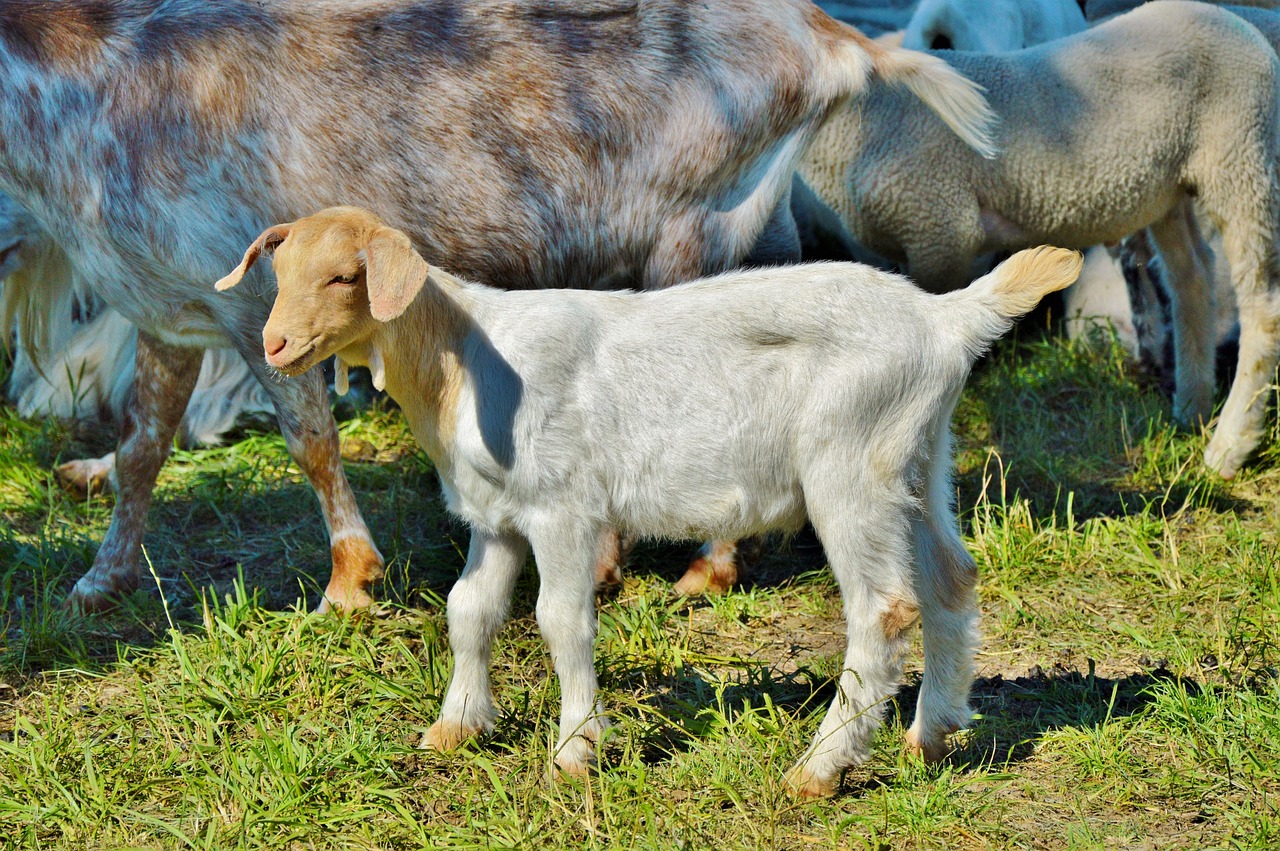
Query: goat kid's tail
[1010,290]
[953,97]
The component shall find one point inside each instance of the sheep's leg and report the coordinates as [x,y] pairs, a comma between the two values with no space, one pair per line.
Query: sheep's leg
[1187,281]
[302,409]
[863,526]
[567,618]
[1254,275]
[477,609]
[945,581]
[164,378]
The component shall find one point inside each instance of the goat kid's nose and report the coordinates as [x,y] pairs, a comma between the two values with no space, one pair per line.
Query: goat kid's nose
[273,344]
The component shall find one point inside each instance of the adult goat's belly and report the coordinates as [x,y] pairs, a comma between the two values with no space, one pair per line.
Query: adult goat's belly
[190,325]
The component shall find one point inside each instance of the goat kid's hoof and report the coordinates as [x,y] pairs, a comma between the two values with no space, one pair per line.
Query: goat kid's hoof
[805,784]
[932,749]
[575,760]
[85,477]
[446,736]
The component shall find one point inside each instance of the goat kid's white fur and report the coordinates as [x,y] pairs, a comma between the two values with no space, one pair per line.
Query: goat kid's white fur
[726,407]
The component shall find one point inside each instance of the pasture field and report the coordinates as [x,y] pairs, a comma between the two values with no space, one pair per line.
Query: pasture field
[1127,693]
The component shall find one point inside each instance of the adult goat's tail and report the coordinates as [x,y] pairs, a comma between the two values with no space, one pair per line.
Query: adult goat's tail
[987,307]
[954,98]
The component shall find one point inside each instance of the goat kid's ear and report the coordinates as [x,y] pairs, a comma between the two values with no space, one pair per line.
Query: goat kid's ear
[267,241]
[394,273]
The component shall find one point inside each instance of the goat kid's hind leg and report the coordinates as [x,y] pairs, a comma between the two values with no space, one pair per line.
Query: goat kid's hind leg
[565,551]
[302,409]
[863,526]
[1187,281]
[477,608]
[163,379]
[946,578]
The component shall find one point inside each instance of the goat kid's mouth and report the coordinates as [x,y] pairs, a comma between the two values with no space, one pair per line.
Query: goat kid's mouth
[299,361]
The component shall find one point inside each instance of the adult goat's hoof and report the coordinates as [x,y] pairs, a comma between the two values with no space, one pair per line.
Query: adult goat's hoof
[86,477]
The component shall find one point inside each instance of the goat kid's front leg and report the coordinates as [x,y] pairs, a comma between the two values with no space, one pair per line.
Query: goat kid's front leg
[565,555]
[163,379]
[476,610]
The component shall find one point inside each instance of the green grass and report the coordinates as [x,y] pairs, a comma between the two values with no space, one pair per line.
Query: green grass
[1127,692]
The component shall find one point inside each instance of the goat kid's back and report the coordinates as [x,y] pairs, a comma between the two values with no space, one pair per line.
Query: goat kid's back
[695,411]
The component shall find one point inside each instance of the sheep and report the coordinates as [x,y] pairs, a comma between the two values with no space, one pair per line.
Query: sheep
[991,26]
[79,361]
[1101,298]
[595,143]
[725,407]
[1103,133]
[1097,11]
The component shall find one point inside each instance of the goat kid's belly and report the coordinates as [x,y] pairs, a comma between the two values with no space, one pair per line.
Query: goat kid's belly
[662,504]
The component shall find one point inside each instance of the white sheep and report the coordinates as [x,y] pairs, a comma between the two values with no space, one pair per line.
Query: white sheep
[1102,134]
[990,26]
[730,406]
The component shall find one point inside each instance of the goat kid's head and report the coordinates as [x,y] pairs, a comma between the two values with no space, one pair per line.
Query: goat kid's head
[339,273]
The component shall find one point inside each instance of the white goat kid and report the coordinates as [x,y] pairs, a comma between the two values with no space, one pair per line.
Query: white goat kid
[990,26]
[726,407]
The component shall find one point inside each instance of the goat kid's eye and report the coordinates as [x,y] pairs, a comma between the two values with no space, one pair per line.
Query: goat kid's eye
[343,279]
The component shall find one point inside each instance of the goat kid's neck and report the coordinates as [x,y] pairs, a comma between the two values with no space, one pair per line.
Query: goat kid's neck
[417,359]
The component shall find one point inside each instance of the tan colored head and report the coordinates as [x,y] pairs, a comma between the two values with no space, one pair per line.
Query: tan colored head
[338,273]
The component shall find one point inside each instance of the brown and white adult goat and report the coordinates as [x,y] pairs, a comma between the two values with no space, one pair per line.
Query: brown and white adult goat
[526,143]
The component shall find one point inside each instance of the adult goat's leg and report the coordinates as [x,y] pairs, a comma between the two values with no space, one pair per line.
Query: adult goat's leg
[680,256]
[302,409]
[163,379]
